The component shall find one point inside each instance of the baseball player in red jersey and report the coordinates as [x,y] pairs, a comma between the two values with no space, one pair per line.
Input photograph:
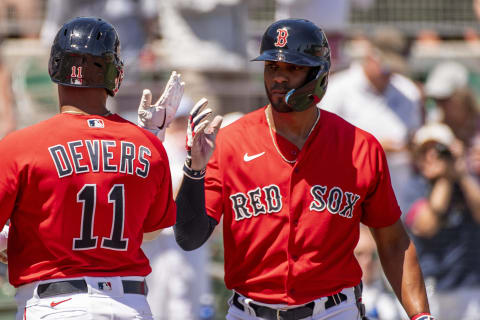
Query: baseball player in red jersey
[83,188]
[293,184]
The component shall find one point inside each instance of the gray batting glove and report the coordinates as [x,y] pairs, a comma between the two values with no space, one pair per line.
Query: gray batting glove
[156,118]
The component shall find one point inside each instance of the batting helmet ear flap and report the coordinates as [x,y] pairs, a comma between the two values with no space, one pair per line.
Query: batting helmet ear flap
[311,92]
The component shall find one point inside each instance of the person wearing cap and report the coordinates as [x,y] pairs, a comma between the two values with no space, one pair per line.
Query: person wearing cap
[375,95]
[445,224]
[447,84]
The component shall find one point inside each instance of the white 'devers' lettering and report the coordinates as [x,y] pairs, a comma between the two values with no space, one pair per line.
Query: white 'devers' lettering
[82,156]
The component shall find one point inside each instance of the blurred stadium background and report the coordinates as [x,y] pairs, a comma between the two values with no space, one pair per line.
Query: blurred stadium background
[453,22]
[449,29]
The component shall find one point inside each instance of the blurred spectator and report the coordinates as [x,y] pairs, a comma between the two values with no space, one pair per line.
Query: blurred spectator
[380,303]
[446,224]
[7,117]
[473,154]
[20,19]
[428,37]
[206,41]
[179,285]
[373,95]
[476,8]
[204,35]
[332,16]
[448,85]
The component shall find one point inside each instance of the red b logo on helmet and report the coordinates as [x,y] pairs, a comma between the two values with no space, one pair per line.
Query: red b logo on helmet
[281,37]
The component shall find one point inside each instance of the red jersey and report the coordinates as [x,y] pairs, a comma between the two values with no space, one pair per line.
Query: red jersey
[290,228]
[80,191]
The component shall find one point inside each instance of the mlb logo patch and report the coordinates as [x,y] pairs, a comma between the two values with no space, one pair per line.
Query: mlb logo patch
[105,286]
[95,123]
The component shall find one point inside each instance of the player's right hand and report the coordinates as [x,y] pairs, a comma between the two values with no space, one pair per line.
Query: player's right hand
[201,135]
[157,117]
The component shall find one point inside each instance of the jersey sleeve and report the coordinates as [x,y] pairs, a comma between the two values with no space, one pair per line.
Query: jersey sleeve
[380,208]
[9,179]
[163,211]
[213,186]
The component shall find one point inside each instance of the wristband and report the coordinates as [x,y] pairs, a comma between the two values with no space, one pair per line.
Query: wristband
[193,174]
[422,316]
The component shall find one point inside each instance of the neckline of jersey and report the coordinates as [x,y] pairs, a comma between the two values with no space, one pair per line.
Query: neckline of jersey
[79,113]
[275,142]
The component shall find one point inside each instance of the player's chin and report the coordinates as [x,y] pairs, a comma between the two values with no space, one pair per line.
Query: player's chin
[281,106]
[278,103]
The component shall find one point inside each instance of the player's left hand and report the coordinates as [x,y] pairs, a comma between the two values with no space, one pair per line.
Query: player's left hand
[158,116]
[201,135]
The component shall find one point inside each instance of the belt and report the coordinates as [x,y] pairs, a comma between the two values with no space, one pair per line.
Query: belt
[288,314]
[51,289]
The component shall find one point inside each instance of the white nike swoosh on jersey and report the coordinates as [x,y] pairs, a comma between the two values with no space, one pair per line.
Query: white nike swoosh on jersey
[247,158]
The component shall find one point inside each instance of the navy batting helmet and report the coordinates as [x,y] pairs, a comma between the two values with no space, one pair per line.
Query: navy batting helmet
[300,42]
[85,53]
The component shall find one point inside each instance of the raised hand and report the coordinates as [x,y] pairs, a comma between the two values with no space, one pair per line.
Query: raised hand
[201,134]
[158,116]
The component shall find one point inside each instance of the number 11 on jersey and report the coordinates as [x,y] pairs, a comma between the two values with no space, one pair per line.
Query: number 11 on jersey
[88,197]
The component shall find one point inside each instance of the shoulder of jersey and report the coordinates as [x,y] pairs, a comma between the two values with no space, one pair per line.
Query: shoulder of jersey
[33,130]
[338,124]
[245,122]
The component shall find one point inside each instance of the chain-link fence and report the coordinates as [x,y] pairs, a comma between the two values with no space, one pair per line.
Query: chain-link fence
[447,17]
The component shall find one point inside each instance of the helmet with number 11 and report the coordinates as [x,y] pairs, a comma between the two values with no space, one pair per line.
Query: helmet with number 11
[86,53]
[299,42]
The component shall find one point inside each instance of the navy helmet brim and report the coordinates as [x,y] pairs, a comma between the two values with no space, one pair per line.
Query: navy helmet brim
[280,55]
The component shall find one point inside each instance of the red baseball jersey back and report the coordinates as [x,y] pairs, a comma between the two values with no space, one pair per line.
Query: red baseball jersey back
[80,191]
[290,228]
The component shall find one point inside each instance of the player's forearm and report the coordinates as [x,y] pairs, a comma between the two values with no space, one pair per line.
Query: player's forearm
[402,270]
[193,226]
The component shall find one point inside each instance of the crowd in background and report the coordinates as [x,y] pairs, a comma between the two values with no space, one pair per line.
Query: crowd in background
[428,125]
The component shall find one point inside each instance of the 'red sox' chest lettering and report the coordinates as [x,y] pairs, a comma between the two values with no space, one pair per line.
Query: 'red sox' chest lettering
[268,200]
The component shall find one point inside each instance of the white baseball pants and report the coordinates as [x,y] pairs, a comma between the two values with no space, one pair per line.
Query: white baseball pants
[103,300]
